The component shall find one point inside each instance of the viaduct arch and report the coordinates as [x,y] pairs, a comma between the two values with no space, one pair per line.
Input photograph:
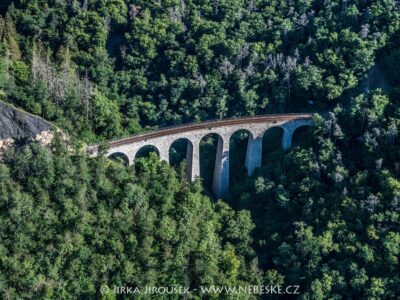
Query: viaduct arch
[163,139]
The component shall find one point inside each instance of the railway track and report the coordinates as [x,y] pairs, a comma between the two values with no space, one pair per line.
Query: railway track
[196,126]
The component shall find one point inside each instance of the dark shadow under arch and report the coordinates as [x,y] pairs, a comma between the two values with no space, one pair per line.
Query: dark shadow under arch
[302,136]
[179,151]
[146,150]
[208,152]
[272,144]
[119,157]
[238,143]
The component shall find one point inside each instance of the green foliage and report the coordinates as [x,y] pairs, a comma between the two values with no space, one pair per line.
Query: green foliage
[71,224]
[171,62]
[106,117]
[327,213]
[324,215]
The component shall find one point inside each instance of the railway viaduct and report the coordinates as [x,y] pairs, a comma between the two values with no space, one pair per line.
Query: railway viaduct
[162,140]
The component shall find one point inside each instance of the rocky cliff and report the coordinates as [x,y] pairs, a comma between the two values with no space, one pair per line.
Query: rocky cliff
[19,126]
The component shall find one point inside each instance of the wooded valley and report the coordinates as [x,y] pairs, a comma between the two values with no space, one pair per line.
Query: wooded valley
[324,215]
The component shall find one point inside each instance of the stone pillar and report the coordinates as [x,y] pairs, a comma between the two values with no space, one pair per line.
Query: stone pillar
[221,171]
[193,159]
[287,137]
[132,155]
[131,160]
[253,154]
[164,154]
[189,160]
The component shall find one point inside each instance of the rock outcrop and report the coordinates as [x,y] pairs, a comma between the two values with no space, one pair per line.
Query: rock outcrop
[17,126]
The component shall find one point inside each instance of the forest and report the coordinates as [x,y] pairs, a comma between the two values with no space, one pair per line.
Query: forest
[324,215]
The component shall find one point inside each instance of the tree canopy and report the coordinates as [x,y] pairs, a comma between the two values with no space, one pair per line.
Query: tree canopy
[323,215]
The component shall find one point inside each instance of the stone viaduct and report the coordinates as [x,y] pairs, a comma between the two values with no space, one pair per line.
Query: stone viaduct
[162,140]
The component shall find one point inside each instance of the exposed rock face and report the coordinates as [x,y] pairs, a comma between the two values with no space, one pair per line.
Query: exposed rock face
[18,126]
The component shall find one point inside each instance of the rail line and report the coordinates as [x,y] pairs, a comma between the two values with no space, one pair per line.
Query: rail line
[202,125]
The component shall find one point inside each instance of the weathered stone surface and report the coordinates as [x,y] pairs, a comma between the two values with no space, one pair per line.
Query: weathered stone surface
[6,144]
[221,169]
[253,154]
[44,138]
[18,125]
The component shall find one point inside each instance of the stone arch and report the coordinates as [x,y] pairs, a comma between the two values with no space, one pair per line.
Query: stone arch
[181,149]
[289,129]
[145,151]
[272,143]
[301,135]
[239,143]
[242,130]
[119,157]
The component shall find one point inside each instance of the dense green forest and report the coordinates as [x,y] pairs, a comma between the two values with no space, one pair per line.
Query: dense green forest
[324,215]
[70,224]
[108,68]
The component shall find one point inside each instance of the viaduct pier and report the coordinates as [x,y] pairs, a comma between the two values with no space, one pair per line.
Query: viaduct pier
[162,140]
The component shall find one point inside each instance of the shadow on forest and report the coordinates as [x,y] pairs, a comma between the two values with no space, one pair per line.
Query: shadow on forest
[3,6]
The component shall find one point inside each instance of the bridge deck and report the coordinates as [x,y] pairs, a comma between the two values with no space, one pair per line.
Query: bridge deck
[202,125]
